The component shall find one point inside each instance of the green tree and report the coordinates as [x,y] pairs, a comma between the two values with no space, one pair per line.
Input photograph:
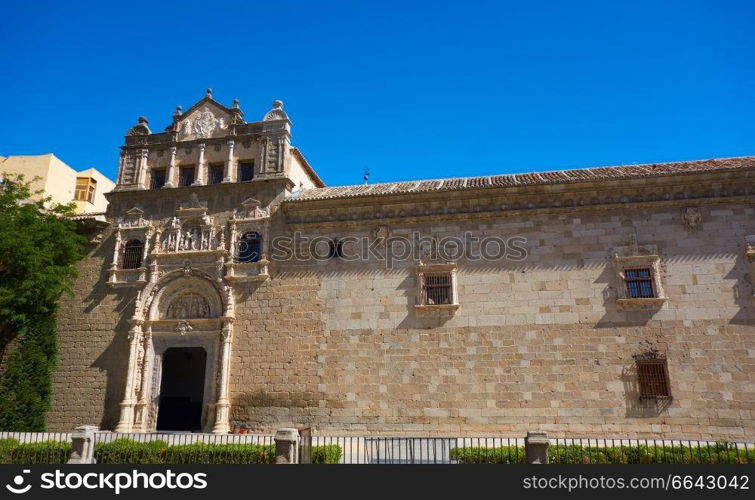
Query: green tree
[38,248]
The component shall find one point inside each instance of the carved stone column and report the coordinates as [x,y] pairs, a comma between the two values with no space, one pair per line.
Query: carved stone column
[171,169]
[228,174]
[142,409]
[223,406]
[141,171]
[116,254]
[199,180]
[126,421]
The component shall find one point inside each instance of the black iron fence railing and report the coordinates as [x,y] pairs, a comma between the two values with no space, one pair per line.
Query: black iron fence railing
[194,448]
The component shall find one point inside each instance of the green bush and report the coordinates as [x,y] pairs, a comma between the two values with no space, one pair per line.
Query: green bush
[44,452]
[719,453]
[328,454]
[128,451]
[500,455]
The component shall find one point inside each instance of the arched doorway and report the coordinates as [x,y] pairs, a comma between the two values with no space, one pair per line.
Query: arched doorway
[182,389]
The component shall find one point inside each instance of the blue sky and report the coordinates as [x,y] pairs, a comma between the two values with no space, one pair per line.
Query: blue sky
[408,90]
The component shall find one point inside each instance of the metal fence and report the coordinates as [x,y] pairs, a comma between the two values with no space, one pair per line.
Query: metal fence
[648,451]
[194,448]
[35,447]
[416,450]
[183,448]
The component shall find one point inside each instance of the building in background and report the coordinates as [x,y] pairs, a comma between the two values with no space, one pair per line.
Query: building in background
[60,181]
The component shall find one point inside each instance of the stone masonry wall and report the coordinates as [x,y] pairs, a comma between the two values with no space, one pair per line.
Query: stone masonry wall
[537,344]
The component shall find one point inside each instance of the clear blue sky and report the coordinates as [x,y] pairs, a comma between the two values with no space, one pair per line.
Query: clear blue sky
[408,89]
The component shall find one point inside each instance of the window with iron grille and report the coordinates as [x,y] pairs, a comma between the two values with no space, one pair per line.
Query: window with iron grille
[186,176]
[85,189]
[335,248]
[215,175]
[132,254]
[652,378]
[639,283]
[246,171]
[436,289]
[249,247]
[158,178]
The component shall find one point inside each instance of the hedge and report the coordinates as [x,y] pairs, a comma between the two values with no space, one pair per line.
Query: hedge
[44,452]
[128,451]
[499,455]
[719,453]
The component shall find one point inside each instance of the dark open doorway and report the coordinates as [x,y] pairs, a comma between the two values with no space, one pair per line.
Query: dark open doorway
[182,389]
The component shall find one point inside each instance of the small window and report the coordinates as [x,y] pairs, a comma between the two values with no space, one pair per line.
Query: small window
[158,178]
[249,247]
[652,378]
[186,176]
[437,289]
[335,248]
[215,175]
[85,189]
[132,254]
[639,283]
[246,171]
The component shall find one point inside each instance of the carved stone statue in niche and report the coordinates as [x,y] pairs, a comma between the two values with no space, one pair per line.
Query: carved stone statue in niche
[188,306]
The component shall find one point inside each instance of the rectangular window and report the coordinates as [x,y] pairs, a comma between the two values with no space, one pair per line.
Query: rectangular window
[158,178]
[186,176]
[85,189]
[437,289]
[639,283]
[215,175]
[652,378]
[246,171]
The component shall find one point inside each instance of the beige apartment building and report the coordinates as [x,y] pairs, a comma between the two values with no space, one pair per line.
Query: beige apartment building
[232,286]
[61,182]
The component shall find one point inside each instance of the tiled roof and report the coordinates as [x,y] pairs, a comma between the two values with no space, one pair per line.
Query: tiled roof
[530,179]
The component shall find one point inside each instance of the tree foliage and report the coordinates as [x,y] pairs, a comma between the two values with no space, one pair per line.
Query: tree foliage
[38,247]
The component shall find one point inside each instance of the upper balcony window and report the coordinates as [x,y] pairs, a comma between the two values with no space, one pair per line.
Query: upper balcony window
[158,178]
[85,189]
[215,174]
[186,176]
[132,254]
[246,171]
[249,247]
[639,283]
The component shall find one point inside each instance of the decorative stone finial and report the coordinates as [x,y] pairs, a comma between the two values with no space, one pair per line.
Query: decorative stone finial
[209,92]
[179,110]
[143,119]
[236,103]
[277,112]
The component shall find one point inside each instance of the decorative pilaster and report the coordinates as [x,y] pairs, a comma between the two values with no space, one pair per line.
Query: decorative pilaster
[228,174]
[222,407]
[171,168]
[141,409]
[126,421]
[141,171]
[199,180]
[116,253]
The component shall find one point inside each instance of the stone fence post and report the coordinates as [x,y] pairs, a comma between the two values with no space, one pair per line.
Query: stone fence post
[536,447]
[82,445]
[287,446]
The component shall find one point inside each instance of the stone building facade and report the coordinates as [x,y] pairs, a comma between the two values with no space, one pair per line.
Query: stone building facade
[611,301]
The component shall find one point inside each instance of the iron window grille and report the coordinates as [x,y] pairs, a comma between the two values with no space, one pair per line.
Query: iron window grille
[652,376]
[246,171]
[639,282]
[437,289]
[335,248]
[132,254]
[249,247]
[158,178]
[215,174]
[186,176]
